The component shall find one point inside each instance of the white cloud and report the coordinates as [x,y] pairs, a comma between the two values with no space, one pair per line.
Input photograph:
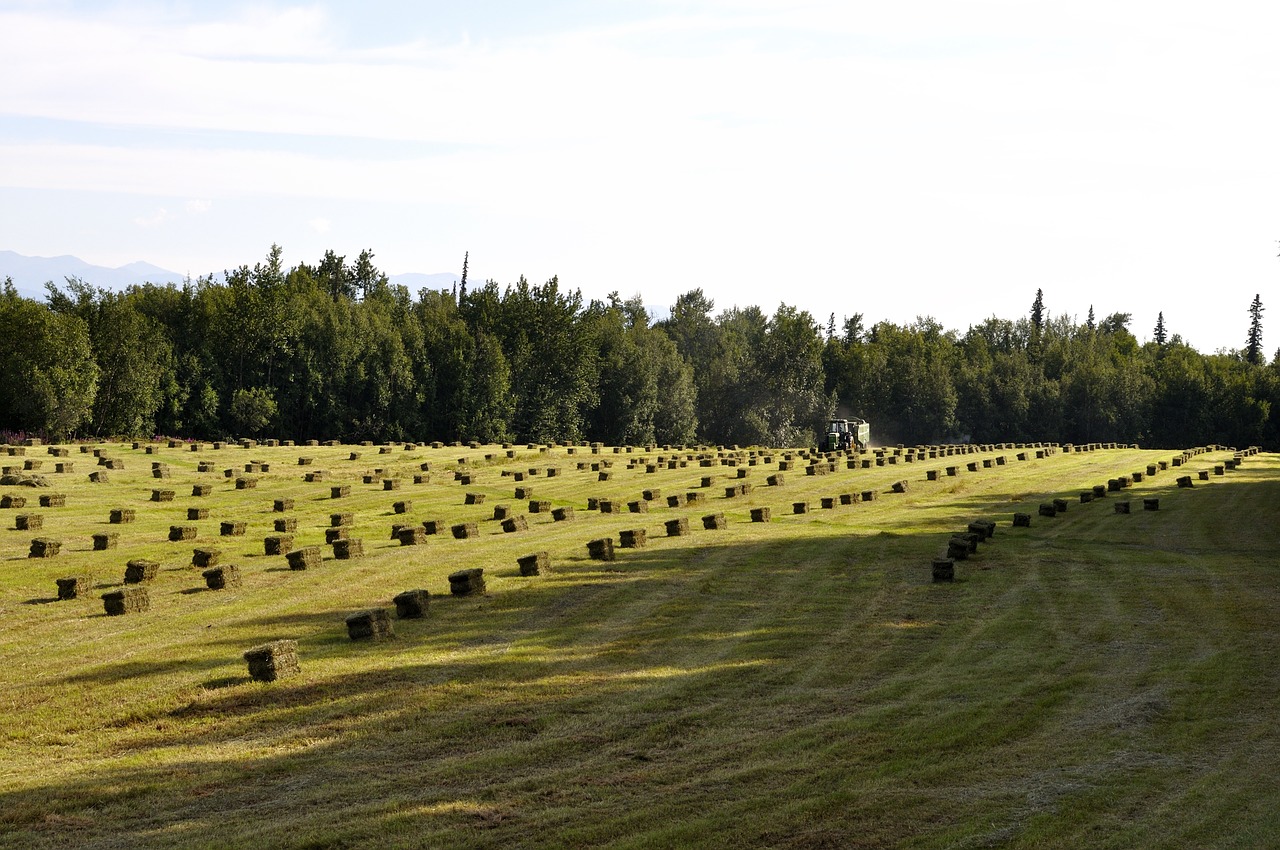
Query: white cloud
[198,206]
[154,220]
[320,225]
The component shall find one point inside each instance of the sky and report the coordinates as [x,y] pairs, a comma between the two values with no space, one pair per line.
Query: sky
[923,158]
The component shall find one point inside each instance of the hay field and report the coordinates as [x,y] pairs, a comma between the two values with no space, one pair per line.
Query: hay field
[1094,680]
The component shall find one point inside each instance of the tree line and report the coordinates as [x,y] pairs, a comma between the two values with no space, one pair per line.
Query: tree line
[333,351]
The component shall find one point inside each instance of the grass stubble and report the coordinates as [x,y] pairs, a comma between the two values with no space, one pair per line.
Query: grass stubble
[1096,680]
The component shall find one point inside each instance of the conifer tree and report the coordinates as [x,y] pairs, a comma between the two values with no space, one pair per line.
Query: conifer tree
[1161,335]
[1253,347]
[1037,312]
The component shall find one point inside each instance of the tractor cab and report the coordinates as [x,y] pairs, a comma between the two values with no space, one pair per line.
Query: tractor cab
[846,434]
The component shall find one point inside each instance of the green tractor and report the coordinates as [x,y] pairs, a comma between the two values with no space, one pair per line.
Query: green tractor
[844,434]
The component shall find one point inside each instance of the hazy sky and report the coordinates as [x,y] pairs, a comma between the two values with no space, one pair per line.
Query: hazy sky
[938,158]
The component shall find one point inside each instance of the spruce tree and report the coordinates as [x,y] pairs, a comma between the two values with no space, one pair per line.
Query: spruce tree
[1253,348]
[466,255]
[1091,323]
[1161,334]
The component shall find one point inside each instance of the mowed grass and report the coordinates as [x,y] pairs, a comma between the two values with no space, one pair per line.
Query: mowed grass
[1095,680]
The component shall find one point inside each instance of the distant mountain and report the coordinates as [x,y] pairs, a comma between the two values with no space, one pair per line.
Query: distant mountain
[31,273]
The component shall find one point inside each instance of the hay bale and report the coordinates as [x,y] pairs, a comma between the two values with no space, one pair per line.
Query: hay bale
[202,558]
[222,577]
[984,528]
[347,548]
[332,534]
[316,477]
[99,477]
[869,495]
[160,471]
[639,506]
[1122,507]
[900,486]
[233,528]
[1060,505]
[534,564]
[524,493]
[64,467]
[272,661]
[761,514]
[111,463]
[402,507]
[73,587]
[390,484]
[465,530]
[467,582]
[305,558]
[677,500]
[277,544]
[799,507]
[128,600]
[53,500]
[285,525]
[692,498]
[1220,469]
[28,522]
[1151,504]
[246,483]
[600,550]
[474,499]
[1047,509]
[944,570]
[539,506]
[104,540]
[342,491]
[182,532]
[714,522]
[515,523]
[435,526]
[194,514]
[609,506]
[1185,481]
[140,571]
[1204,475]
[1021,520]
[1136,477]
[336,520]
[411,604]
[931,474]
[564,514]
[633,538]
[957,549]
[374,624]
[162,495]
[282,505]
[306,461]
[1100,491]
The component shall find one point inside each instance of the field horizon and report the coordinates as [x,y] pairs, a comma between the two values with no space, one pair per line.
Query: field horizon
[1095,679]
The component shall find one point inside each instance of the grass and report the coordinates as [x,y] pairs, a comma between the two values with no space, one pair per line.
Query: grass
[1096,680]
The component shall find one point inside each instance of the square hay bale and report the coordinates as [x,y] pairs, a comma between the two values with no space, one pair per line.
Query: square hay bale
[761,515]
[222,577]
[120,516]
[305,558]
[931,474]
[104,540]
[390,484]
[1204,475]
[317,476]
[694,498]
[373,624]
[233,528]
[944,570]
[535,564]
[402,507]
[1122,507]
[28,522]
[246,483]
[869,495]
[162,495]
[633,538]
[714,522]
[205,466]
[277,544]
[828,502]
[900,486]
[1086,496]
[1099,491]
[601,549]
[515,523]
[99,477]
[776,480]
[201,489]
[1047,509]
[604,476]
[651,495]
[524,493]
[609,506]
[410,535]
[340,492]
[194,514]
[677,500]
[32,465]
[638,507]
[848,498]
[203,558]
[73,587]
[465,531]
[501,512]
[678,527]
[112,463]
[306,461]
[140,570]
[1136,477]
[1060,505]
[1151,504]
[336,520]
[332,534]
[799,507]
[1185,481]
[282,505]
[564,514]
[1021,520]
[474,499]
[412,604]
[539,506]
[467,582]
[127,600]
[435,526]
[347,548]
[161,471]
[64,467]
[272,661]
[285,525]
[53,500]
[179,533]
